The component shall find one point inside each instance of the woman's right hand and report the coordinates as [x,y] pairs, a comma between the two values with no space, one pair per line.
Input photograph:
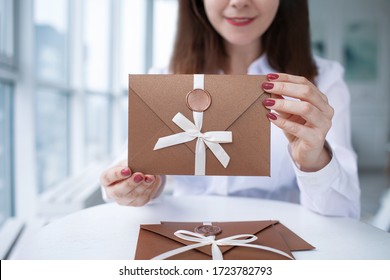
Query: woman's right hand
[128,188]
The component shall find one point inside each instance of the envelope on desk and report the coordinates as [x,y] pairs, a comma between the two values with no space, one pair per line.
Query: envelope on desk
[236,107]
[156,239]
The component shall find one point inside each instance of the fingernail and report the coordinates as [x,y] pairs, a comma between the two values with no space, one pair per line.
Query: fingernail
[149,179]
[126,172]
[272,76]
[267,85]
[268,102]
[272,116]
[138,178]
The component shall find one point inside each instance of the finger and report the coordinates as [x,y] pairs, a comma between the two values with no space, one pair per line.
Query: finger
[313,137]
[150,179]
[276,96]
[139,196]
[143,194]
[140,200]
[304,91]
[329,112]
[150,184]
[115,174]
[303,109]
[123,188]
[143,197]
[283,77]
[298,91]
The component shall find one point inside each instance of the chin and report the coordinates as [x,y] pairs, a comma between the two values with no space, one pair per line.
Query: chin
[241,41]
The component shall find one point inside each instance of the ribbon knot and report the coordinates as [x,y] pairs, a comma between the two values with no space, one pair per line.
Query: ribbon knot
[201,240]
[193,131]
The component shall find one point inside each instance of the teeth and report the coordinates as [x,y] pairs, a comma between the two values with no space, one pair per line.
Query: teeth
[240,19]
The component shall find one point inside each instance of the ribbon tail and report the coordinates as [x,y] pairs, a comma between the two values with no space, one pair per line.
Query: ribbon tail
[216,252]
[177,251]
[181,121]
[172,140]
[219,153]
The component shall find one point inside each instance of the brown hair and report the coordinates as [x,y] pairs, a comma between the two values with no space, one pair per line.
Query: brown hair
[200,49]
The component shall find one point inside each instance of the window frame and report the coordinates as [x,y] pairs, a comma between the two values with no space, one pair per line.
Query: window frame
[9,62]
[9,147]
[12,226]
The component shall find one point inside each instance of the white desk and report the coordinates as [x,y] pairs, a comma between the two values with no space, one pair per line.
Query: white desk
[110,231]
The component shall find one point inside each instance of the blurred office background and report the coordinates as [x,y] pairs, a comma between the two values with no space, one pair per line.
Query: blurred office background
[63,97]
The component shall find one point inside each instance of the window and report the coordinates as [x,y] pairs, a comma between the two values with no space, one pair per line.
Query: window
[133,39]
[97,121]
[6,31]
[147,33]
[51,37]
[6,198]
[52,96]
[164,31]
[52,113]
[72,87]
[97,78]
[96,44]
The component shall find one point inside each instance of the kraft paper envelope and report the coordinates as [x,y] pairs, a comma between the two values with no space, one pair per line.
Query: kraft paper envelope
[155,239]
[236,106]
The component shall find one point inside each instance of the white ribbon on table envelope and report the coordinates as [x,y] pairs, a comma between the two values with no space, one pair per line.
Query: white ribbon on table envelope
[235,240]
[193,130]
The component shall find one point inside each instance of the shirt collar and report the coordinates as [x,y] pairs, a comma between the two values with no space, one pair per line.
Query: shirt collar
[260,66]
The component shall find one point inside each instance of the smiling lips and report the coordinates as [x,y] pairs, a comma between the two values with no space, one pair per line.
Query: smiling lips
[240,21]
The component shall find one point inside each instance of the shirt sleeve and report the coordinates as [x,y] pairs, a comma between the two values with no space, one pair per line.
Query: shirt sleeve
[334,190]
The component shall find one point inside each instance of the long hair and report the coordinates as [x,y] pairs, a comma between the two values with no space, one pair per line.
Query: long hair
[200,49]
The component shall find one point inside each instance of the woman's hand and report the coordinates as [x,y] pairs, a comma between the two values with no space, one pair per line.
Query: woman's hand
[127,188]
[305,120]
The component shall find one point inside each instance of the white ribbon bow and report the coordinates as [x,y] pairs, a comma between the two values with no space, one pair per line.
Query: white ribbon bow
[192,131]
[201,240]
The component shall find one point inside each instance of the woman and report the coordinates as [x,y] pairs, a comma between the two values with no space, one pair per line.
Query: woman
[312,160]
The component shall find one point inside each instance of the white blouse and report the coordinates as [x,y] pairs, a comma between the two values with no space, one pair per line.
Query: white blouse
[333,190]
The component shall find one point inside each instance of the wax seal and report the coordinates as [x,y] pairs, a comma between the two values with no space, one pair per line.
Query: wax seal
[208,230]
[198,100]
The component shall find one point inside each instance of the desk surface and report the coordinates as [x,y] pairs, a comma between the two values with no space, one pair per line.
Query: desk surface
[110,231]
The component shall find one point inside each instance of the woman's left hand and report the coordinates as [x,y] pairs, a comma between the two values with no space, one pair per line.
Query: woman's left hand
[305,120]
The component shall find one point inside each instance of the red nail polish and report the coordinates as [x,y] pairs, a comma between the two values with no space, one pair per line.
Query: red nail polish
[272,76]
[126,172]
[267,85]
[138,178]
[272,116]
[268,102]
[148,179]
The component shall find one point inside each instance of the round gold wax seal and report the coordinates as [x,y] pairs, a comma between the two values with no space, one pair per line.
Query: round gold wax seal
[198,100]
[208,230]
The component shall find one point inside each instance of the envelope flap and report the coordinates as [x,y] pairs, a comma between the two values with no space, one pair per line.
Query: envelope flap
[247,227]
[168,229]
[229,99]
[294,242]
